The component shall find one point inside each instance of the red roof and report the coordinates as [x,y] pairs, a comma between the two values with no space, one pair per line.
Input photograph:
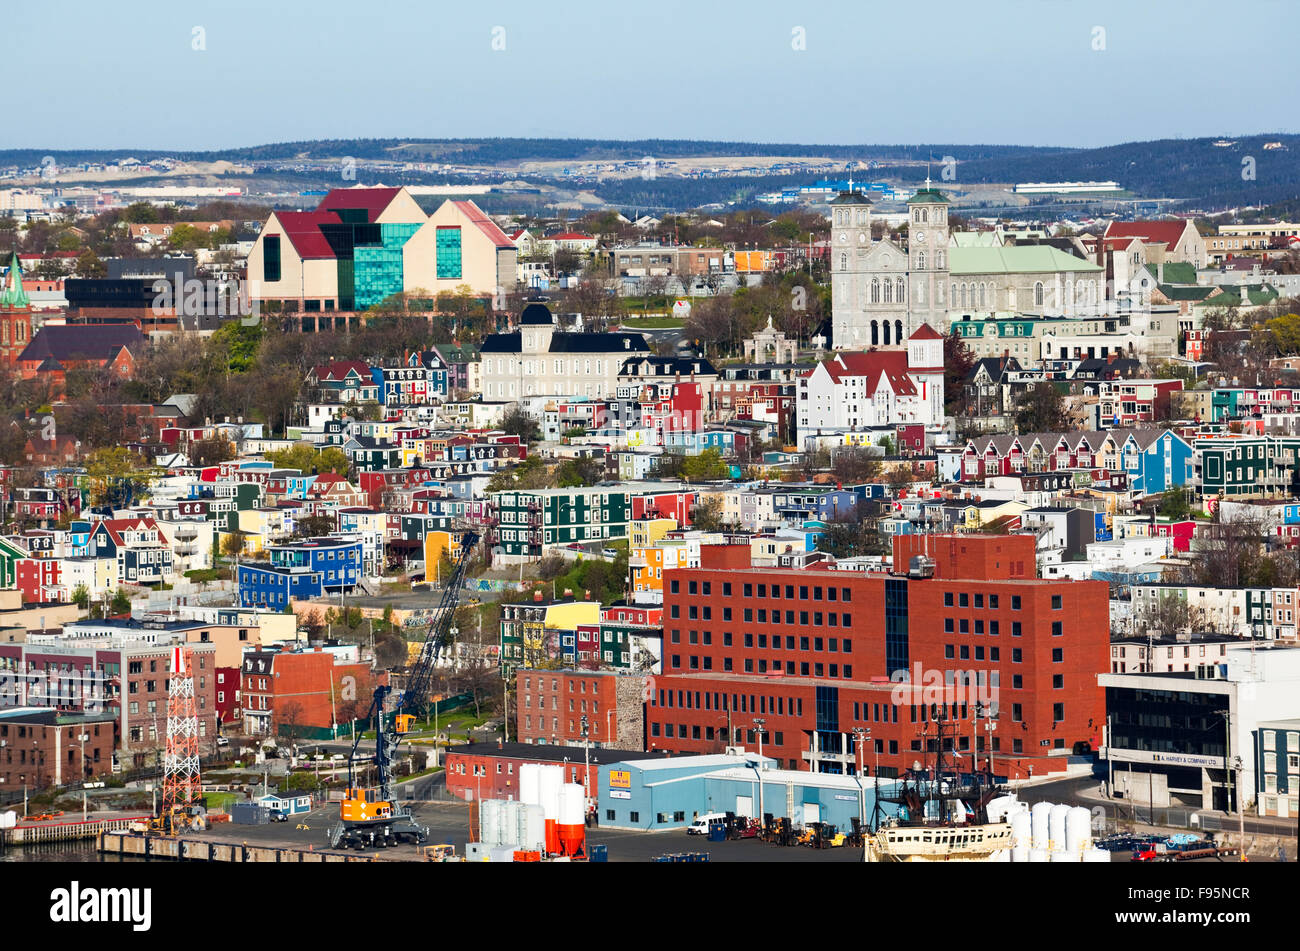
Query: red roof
[891,364]
[926,332]
[339,370]
[484,224]
[569,236]
[373,200]
[302,228]
[1151,232]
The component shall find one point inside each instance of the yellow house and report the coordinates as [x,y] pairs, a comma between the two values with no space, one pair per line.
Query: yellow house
[980,515]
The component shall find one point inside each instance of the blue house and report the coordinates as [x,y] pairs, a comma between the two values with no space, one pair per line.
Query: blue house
[309,569]
[1156,460]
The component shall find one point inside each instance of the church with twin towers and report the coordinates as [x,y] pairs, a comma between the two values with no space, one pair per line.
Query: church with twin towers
[882,292]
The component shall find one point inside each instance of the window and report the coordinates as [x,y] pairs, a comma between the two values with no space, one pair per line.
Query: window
[271,258]
[1015,602]
[1057,629]
[1056,602]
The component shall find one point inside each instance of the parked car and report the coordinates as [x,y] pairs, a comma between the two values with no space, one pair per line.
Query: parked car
[609,552]
[278,815]
[223,741]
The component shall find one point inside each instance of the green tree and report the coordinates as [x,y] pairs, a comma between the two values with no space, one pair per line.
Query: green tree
[1286,333]
[707,515]
[1173,505]
[121,603]
[1041,409]
[117,474]
[707,466]
[516,422]
[958,361]
[81,596]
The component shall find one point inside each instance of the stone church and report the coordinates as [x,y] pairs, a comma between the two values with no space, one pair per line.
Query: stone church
[883,292]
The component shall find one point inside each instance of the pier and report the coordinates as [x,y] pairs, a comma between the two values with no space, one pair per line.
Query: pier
[181,848]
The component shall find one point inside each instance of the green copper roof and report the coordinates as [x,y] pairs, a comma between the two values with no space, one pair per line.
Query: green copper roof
[927,196]
[1176,272]
[1023,259]
[13,297]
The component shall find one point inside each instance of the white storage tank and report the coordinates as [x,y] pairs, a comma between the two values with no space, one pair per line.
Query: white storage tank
[1078,830]
[1063,856]
[1096,855]
[1021,837]
[489,818]
[1056,827]
[1038,814]
[1038,855]
[530,783]
[534,835]
[573,801]
[552,778]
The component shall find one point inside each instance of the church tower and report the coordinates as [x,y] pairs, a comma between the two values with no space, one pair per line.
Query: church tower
[927,251]
[15,314]
[850,240]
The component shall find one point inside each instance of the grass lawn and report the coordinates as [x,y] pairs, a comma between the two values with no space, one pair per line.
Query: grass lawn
[654,323]
[220,801]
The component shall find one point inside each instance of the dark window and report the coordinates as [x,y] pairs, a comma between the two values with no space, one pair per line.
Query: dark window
[1056,602]
[1058,681]
[947,599]
[1057,629]
[674,586]
[993,628]
[271,258]
[1015,712]
[949,652]
[749,590]
[1058,655]
[1015,655]
[963,600]
[949,627]
[726,589]
[1058,712]
[993,602]
[1017,681]
[1015,602]
[1015,628]
[979,600]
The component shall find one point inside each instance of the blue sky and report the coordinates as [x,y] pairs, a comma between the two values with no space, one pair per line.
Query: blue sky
[93,75]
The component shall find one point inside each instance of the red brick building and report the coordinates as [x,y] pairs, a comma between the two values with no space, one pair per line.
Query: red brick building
[552,703]
[812,652]
[491,770]
[43,747]
[283,691]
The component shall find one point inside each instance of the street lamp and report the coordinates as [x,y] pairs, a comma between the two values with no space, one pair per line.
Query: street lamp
[586,761]
[861,734]
[758,728]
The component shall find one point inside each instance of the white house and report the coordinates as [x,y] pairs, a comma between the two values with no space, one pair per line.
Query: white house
[855,390]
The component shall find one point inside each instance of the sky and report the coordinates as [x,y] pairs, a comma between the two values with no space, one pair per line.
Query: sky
[194,74]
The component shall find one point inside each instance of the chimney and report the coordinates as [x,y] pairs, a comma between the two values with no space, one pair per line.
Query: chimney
[1160,272]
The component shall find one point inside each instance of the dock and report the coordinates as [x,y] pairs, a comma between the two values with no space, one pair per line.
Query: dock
[43,832]
[182,848]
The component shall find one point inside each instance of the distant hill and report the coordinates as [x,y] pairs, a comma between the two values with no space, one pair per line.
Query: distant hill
[1195,171]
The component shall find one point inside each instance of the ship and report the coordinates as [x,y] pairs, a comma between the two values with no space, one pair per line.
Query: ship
[944,816]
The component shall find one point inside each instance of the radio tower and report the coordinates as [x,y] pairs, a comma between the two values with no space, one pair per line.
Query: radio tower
[181,785]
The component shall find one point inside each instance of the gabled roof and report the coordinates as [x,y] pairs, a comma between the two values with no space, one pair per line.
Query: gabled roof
[69,343]
[928,196]
[373,200]
[302,228]
[1018,259]
[484,224]
[338,370]
[875,366]
[1151,232]
[926,332]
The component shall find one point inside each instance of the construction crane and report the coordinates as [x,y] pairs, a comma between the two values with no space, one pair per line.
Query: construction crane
[371,816]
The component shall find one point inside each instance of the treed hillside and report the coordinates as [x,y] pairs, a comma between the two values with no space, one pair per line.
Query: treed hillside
[1195,170]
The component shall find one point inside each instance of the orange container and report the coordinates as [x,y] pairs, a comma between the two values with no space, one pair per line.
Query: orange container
[528,856]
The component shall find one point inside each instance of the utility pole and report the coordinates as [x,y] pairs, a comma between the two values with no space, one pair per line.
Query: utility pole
[758,727]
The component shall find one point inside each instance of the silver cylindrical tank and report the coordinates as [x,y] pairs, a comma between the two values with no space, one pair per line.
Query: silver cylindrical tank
[1038,855]
[1096,855]
[489,818]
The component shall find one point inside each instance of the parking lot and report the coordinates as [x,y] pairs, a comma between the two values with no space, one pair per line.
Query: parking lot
[449,822]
